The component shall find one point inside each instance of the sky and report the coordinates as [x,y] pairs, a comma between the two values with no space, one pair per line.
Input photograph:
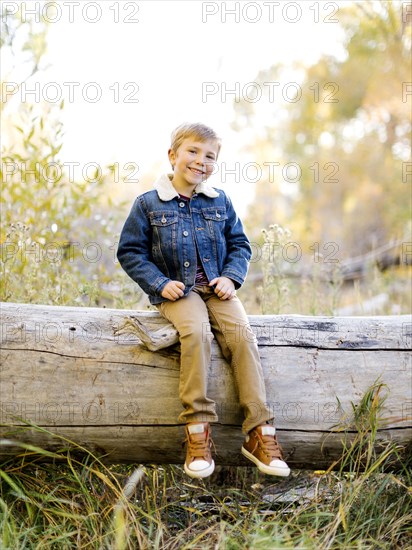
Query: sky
[154,64]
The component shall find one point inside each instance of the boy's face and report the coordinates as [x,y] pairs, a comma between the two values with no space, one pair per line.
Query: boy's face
[194,160]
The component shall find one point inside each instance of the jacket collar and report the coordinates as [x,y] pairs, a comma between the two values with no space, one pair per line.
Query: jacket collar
[167,192]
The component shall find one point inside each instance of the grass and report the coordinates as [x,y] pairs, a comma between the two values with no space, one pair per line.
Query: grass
[70,499]
[316,286]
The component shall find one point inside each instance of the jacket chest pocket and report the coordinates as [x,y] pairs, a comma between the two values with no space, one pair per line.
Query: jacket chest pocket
[164,225]
[215,218]
[215,214]
[163,219]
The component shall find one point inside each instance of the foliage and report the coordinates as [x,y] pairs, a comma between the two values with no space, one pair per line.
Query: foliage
[347,135]
[57,233]
[68,498]
[341,185]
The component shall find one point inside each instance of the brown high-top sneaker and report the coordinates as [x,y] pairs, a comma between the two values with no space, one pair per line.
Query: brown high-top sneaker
[262,448]
[199,462]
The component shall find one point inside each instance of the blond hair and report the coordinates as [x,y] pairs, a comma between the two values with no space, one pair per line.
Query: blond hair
[197,130]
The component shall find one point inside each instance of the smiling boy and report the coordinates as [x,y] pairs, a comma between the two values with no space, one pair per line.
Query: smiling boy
[184,244]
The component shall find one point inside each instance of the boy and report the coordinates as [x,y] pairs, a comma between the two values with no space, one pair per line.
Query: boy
[185,246]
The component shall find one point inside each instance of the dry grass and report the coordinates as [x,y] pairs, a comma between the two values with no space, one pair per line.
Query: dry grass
[70,499]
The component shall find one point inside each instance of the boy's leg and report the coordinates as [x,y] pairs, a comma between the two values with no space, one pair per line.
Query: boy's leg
[238,343]
[190,317]
[231,328]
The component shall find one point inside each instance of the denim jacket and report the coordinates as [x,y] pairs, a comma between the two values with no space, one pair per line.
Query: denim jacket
[159,238]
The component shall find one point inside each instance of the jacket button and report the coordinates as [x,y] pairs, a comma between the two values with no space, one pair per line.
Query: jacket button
[181,204]
[185,233]
[186,264]
[217,215]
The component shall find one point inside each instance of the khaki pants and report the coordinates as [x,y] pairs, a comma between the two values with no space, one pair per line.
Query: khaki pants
[193,317]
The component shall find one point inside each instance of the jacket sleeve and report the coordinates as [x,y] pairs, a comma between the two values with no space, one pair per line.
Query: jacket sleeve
[239,250]
[134,251]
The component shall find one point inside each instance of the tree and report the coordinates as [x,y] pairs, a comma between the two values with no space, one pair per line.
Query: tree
[348,134]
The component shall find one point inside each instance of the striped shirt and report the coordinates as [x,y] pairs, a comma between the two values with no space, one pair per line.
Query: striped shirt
[201,278]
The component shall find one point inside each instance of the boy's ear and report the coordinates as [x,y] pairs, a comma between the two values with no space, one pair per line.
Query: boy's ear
[172,157]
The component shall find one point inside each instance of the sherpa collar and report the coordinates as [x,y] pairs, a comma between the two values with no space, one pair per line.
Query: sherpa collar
[167,192]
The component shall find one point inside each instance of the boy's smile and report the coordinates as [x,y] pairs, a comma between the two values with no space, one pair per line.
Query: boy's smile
[196,170]
[193,162]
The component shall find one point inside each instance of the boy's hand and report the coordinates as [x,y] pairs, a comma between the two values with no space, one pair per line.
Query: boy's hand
[225,287]
[173,290]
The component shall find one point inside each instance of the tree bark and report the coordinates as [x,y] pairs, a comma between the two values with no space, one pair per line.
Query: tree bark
[83,376]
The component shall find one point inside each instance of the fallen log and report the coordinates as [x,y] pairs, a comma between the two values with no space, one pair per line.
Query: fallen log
[85,376]
[350,269]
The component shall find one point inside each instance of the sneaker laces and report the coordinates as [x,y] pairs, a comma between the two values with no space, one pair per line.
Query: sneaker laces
[199,445]
[271,446]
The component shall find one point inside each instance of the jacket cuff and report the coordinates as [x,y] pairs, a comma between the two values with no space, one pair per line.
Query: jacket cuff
[237,279]
[158,285]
